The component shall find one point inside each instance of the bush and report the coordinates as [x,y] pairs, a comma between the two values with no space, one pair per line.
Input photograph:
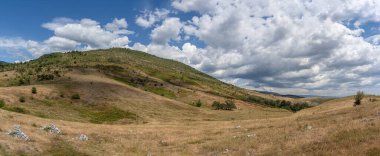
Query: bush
[358,98]
[198,103]
[216,105]
[44,77]
[34,90]
[2,103]
[75,96]
[22,99]
[228,105]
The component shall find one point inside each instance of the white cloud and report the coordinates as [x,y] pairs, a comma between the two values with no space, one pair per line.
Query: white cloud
[149,18]
[72,34]
[285,45]
[169,30]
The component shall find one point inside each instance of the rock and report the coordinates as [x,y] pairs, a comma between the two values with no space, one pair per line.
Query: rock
[251,135]
[16,132]
[308,127]
[226,151]
[52,129]
[83,137]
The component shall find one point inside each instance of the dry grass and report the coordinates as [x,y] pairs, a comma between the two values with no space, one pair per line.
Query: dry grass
[342,131]
[166,126]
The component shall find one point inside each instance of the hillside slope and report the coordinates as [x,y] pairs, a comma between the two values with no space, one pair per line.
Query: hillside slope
[138,86]
[132,103]
[333,128]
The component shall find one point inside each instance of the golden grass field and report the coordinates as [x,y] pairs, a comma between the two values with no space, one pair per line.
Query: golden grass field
[165,126]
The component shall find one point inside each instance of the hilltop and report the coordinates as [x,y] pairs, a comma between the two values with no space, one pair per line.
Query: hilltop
[130,102]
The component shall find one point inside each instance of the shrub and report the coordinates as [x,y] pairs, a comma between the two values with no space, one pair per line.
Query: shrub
[44,77]
[358,98]
[198,103]
[228,105]
[34,90]
[75,96]
[2,103]
[216,105]
[22,99]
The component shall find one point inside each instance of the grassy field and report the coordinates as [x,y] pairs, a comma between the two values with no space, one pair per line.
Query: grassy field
[132,103]
[333,128]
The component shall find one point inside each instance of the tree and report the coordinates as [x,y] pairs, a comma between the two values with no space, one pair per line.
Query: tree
[2,103]
[34,90]
[198,103]
[22,99]
[358,98]
[216,105]
[75,97]
[230,105]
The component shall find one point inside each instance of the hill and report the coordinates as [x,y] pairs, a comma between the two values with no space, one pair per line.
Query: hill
[132,103]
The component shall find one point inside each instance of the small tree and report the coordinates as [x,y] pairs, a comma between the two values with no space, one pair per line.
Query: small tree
[358,98]
[34,90]
[230,105]
[2,103]
[22,99]
[216,105]
[198,103]
[75,96]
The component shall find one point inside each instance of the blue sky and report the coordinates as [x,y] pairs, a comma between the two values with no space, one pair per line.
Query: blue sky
[298,47]
[24,18]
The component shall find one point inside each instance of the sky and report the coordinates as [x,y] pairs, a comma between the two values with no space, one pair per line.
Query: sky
[317,47]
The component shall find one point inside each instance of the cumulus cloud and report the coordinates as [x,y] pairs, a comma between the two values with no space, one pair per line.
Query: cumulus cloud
[294,45]
[149,18]
[169,30]
[70,34]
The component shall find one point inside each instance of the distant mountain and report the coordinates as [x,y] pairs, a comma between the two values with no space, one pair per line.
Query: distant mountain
[2,62]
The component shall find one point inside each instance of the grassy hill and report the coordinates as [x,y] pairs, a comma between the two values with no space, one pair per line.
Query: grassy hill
[130,102]
[138,86]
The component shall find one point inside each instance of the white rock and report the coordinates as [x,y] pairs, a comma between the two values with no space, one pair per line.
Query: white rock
[16,132]
[83,137]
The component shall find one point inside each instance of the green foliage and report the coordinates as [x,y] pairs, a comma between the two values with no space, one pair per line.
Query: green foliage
[59,147]
[75,97]
[34,90]
[105,114]
[21,99]
[228,105]
[197,103]
[45,77]
[278,103]
[2,103]
[358,98]
[17,110]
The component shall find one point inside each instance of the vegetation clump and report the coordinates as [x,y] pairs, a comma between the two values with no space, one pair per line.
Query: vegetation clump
[34,90]
[17,110]
[2,103]
[75,97]
[198,103]
[358,98]
[228,105]
[278,103]
[22,99]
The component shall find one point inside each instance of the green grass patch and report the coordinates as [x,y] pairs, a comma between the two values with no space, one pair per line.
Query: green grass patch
[17,110]
[101,115]
[2,103]
[161,91]
[60,147]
